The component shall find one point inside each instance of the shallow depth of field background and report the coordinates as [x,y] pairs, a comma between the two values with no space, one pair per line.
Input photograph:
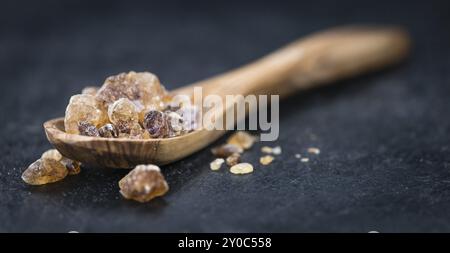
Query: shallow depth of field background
[384,137]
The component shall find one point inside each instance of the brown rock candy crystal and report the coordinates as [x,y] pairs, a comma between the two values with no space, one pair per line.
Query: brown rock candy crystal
[52,154]
[123,114]
[226,150]
[143,183]
[242,168]
[242,139]
[143,89]
[85,108]
[87,129]
[44,171]
[233,159]
[90,90]
[157,124]
[72,166]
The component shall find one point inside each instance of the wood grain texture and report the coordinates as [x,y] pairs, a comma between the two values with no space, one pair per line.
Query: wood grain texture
[316,60]
[124,153]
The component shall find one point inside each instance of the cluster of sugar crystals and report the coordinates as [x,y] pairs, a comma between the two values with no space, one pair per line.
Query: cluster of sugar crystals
[231,153]
[44,171]
[128,105]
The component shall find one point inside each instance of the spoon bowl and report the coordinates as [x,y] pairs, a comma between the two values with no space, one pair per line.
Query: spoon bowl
[124,152]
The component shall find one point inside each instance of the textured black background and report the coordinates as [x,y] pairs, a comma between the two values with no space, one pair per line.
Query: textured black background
[385,161]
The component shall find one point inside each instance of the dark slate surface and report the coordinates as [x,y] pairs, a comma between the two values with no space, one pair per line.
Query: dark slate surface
[385,142]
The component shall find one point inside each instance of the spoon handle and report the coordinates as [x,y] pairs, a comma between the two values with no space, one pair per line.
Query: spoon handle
[318,59]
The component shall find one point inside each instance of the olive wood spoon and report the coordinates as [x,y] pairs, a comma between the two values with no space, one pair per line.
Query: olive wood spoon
[318,59]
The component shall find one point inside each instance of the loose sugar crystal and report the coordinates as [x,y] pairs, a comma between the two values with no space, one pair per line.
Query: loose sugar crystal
[314,151]
[266,149]
[224,151]
[233,159]
[267,159]
[242,168]
[276,150]
[216,164]
[137,132]
[44,171]
[52,154]
[143,183]
[73,167]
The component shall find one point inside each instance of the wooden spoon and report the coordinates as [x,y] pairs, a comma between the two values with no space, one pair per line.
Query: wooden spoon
[318,59]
